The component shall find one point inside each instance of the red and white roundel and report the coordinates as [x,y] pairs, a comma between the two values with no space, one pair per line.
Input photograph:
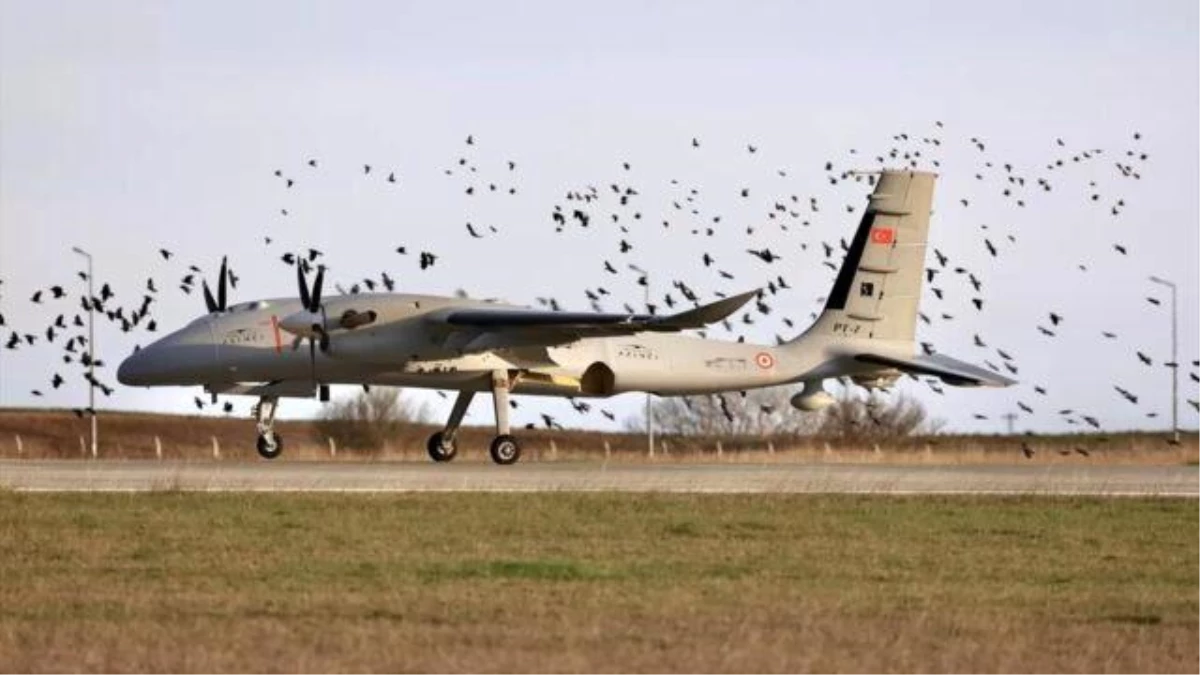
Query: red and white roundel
[764,360]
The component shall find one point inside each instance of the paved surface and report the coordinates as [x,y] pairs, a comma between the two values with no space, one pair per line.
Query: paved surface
[134,476]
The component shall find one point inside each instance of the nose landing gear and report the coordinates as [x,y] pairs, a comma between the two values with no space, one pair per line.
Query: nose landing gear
[270,444]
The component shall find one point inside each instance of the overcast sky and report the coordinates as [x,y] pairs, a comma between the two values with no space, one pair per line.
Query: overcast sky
[129,126]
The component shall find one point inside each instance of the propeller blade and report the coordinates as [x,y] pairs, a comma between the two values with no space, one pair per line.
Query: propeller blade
[304,299]
[209,302]
[221,286]
[312,361]
[316,290]
[324,335]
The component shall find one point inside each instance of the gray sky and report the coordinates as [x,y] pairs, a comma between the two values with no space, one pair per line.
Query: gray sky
[127,126]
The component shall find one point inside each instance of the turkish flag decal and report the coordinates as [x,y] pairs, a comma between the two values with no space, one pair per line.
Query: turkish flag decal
[883,235]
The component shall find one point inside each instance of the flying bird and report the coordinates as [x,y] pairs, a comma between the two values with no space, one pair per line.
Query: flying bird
[765,255]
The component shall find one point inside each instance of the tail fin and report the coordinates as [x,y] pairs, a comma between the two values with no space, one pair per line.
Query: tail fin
[878,287]
[876,294]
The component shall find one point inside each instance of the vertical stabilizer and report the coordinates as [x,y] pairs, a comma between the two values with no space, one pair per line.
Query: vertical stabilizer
[878,287]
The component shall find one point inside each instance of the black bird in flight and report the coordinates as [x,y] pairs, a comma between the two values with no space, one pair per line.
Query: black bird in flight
[765,255]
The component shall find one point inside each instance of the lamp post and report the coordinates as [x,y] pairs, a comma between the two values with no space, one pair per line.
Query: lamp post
[649,411]
[1174,359]
[91,347]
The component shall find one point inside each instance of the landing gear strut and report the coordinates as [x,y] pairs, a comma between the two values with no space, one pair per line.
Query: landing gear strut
[270,445]
[442,446]
[505,449]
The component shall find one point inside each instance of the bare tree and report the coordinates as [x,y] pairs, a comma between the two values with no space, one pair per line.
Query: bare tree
[757,412]
[875,416]
[369,419]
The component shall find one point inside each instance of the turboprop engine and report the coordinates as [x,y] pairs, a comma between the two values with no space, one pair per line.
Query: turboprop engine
[813,397]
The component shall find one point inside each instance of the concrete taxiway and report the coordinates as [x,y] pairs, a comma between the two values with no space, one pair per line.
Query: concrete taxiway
[138,476]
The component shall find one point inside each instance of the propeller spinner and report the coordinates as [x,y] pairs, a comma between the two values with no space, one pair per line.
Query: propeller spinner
[309,323]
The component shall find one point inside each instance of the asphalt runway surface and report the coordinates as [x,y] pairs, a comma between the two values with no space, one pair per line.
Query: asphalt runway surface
[140,476]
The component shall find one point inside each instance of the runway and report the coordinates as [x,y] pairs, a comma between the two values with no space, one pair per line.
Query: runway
[143,476]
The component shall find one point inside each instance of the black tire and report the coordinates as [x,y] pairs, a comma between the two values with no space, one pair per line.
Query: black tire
[441,450]
[505,450]
[270,448]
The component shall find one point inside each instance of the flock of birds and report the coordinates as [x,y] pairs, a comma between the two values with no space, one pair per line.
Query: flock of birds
[622,208]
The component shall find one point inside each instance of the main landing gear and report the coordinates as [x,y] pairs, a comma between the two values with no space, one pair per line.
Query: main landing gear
[269,442]
[505,449]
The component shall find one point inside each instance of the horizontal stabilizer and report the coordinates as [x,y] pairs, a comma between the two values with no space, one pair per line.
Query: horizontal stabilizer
[951,371]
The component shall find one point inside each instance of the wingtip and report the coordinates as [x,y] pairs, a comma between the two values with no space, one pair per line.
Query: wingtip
[707,314]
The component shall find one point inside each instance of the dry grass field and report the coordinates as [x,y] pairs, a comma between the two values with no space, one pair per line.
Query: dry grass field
[572,582]
[58,434]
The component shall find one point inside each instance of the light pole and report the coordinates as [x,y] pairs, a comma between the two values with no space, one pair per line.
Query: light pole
[91,348]
[649,411]
[1174,359]
[1009,417]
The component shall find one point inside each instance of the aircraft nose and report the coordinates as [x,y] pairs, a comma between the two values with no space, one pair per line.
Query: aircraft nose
[136,368]
[183,358]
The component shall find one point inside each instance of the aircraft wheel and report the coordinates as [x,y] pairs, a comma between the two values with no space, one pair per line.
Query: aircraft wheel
[441,449]
[269,446]
[505,450]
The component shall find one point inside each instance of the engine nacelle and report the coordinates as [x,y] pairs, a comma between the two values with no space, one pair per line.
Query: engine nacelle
[813,397]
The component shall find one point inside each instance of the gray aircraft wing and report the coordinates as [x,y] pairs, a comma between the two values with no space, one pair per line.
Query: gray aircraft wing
[477,328]
[950,370]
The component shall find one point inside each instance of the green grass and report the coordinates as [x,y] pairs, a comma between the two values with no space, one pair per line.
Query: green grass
[493,582]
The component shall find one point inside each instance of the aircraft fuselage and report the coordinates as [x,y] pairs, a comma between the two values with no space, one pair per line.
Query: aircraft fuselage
[402,347]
